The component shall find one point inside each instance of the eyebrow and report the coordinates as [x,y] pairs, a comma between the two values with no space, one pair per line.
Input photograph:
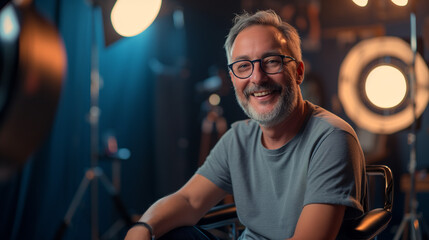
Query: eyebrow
[243,57]
[266,54]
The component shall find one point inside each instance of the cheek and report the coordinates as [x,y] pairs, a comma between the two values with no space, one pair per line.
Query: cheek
[293,76]
[238,85]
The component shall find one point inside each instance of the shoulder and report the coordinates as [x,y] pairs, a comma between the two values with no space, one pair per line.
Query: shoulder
[240,133]
[331,135]
[325,121]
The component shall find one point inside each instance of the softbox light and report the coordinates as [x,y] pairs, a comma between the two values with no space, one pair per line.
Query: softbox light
[32,66]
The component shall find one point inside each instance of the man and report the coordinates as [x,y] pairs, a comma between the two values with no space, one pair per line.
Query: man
[295,170]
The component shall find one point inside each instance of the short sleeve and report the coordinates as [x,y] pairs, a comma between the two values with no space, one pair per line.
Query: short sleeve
[336,173]
[215,167]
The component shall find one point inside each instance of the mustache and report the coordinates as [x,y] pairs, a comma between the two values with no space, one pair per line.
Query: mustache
[258,88]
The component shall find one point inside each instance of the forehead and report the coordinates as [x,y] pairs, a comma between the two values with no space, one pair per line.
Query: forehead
[257,40]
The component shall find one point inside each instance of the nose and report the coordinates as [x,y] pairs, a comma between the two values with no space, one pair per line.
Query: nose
[258,76]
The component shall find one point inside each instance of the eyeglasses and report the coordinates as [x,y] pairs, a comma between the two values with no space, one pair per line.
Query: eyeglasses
[270,65]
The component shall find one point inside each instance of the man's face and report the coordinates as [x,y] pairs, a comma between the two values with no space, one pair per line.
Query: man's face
[266,98]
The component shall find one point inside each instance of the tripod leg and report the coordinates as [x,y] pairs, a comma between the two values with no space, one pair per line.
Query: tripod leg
[415,228]
[74,204]
[116,199]
[401,227]
[113,230]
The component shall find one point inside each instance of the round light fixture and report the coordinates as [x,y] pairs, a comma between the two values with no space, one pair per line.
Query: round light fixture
[400,3]
[386,86]
[361,3]
[131,17]
[374,85]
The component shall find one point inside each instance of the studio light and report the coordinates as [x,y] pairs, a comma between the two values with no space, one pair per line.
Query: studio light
[361,3]
[386,86]
[32,67]
[9,24]
[131,17]
[387,61]
[126,18]
[374,85]
[400,3]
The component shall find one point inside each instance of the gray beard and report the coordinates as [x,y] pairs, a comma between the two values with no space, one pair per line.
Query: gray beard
[281,111]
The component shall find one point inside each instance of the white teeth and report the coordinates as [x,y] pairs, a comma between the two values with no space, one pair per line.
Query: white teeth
[260,94]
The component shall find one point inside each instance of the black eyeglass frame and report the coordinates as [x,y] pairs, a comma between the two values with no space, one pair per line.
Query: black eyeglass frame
[260,64]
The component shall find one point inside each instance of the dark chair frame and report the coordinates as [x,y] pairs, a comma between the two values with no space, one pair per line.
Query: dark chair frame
[365,227]
[374,221]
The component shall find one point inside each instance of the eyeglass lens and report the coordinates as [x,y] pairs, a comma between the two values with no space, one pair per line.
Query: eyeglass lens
[270,65]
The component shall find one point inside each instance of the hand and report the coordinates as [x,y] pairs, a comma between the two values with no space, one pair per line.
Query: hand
[138,233]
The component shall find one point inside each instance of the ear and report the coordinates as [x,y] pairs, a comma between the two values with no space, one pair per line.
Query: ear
[300,72]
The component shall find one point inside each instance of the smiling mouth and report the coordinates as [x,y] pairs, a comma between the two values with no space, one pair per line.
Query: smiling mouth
[262,91]
[261,94]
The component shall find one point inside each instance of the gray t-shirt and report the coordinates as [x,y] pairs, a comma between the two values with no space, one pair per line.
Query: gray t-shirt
[323,163]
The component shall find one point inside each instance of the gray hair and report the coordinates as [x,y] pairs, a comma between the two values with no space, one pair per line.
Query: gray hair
[269,18]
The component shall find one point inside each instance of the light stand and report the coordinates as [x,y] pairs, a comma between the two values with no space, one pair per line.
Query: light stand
[95,172]
[412,218]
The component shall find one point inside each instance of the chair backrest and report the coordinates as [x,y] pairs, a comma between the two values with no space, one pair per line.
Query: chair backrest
[367,226]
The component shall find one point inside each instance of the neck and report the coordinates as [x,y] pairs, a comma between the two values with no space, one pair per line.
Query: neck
[276,136]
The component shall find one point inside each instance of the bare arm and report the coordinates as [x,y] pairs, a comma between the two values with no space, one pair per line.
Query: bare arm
[319,222]
[182,208]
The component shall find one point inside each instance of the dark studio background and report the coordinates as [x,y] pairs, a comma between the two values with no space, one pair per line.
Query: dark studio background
[150,102]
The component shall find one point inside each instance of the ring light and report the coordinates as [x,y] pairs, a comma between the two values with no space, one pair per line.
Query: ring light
[361,62]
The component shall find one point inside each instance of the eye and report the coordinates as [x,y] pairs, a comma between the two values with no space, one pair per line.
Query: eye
[272,60]
[242,66]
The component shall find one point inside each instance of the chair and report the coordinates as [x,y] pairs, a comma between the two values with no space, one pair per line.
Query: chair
[367,226]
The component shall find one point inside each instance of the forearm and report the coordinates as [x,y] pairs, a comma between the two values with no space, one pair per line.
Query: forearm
[183,208]
[166,214]
[171,212]
[319,222]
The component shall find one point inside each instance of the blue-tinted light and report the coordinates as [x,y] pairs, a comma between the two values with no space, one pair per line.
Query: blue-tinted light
[9,25]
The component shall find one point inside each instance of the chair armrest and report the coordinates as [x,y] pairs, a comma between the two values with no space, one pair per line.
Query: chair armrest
[219,216]
[368,225]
